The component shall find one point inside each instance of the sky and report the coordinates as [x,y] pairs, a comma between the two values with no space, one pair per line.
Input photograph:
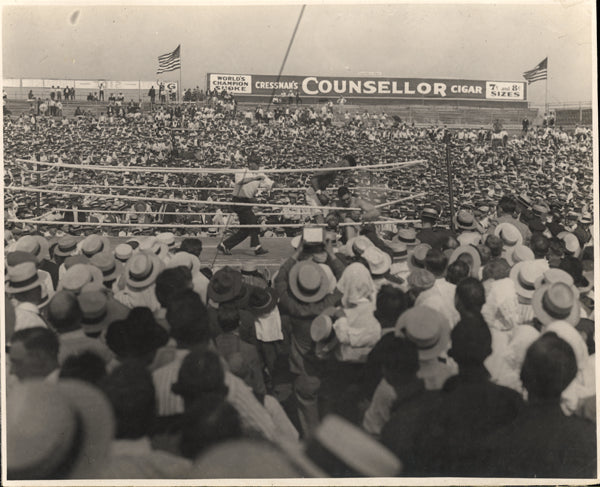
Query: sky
[468,41]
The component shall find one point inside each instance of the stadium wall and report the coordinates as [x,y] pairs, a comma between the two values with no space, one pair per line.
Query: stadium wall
[18,88]
[568,117]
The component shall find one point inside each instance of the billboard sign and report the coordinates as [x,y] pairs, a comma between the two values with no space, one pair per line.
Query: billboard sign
[232,83]
[11,83]
[371,87]
[503,90]
[123,85]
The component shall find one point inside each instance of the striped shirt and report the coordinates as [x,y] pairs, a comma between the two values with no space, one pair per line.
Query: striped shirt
[524,314]
[253,415]
[164,377]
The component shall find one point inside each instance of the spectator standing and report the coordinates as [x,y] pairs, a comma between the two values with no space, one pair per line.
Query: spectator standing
[131,393]
[152,95]
[451,435]
[542,442]
[33,354]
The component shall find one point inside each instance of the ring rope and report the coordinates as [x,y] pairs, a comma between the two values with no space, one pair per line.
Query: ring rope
[178,200]
[196,225]
[38,171]
[390,203]
[175,170]
[210,188]
[129,210]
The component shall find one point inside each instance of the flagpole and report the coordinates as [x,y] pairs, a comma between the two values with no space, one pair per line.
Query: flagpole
[546,99]
[180,69]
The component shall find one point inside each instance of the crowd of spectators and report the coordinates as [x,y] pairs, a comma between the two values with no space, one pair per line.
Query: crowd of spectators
[550,165]
[412,349]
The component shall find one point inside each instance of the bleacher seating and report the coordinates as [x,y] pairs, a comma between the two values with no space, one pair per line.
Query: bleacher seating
[470,117]
[570,117]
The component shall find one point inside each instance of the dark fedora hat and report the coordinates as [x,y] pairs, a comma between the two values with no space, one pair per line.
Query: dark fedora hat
[262,300]
[225,285]
[136,335]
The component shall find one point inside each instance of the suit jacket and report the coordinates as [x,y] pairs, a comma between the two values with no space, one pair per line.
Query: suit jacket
[229,344]
[52,269]
[451,434]
[543,442]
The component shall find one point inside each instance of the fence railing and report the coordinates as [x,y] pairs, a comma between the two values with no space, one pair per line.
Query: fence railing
[572,105]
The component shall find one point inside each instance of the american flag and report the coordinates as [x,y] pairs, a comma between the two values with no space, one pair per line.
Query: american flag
[538,73]
[169,62]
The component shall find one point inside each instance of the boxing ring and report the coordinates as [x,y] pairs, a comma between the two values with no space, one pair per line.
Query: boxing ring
[105,197]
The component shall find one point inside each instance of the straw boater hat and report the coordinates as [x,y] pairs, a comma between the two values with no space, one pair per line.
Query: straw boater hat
[99,310]
[123,252]
[152,245]
[35,245]
[78,276]
[66,246]
[472,252]
[378,261]
[75,259]
[142,270]
[464,220]
[557,301]
[354,447]
[525,274]
[357,245]
[416,258]
[321,332]
[430,212]
[572,246]
[520,253]
[426,328]
[22,277]
[168,238]
[421,280]
[108,265]
[407,236]
[254,459]
[586,219]
[75,427]
[399,251]
[308,281]
[94,244]
[184,259]
[552,276]
[509,234]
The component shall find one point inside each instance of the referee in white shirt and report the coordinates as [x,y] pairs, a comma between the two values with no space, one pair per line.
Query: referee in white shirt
[246,186]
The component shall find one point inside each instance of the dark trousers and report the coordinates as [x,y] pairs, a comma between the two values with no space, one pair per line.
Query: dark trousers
[247,217]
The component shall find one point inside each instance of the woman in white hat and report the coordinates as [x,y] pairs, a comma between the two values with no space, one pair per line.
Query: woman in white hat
[348,333]
[356,329]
